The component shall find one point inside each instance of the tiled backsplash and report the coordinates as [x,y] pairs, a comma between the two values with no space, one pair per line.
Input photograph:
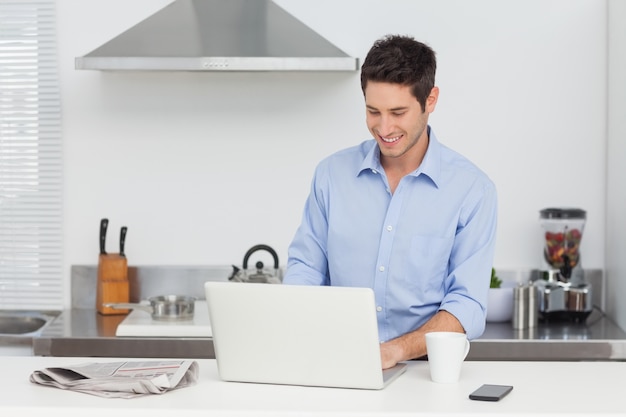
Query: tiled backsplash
[149,281]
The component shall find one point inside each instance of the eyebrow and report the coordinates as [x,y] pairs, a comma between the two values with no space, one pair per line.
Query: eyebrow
[393,109]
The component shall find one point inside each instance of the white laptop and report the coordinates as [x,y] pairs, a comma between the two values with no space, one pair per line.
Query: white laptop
[297,335]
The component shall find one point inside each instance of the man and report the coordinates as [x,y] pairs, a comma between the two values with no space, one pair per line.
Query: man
[401,213]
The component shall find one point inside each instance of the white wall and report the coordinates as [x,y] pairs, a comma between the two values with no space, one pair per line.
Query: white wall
[616,202]
[201,166]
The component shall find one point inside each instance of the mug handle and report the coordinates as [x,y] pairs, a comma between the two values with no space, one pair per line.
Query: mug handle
[467,348]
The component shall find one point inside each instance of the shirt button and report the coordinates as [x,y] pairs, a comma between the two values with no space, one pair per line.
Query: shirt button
[389,228]
[379,308]
[381,268]
[374,171]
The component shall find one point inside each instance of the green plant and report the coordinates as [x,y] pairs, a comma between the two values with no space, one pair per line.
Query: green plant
[495,281]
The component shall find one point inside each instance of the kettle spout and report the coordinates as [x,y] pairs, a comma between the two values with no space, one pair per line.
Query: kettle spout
[235,276]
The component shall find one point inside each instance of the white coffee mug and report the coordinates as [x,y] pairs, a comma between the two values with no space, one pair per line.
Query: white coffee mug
[446,353]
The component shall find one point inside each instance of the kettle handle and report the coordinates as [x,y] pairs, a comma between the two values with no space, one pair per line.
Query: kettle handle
[257,248]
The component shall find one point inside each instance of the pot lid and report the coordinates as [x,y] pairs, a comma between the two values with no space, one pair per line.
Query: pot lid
[563,213]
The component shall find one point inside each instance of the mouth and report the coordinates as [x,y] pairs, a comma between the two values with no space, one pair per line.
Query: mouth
[390,139]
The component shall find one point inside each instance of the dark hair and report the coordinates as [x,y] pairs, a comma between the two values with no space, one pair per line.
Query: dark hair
[401,60]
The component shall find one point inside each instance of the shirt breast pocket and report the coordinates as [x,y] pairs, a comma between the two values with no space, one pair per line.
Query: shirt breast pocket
[428,261]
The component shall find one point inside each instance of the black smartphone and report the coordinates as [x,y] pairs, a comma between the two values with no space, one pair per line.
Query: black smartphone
[489,392]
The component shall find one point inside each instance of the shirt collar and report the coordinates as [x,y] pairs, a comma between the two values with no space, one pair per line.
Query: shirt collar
[430,166]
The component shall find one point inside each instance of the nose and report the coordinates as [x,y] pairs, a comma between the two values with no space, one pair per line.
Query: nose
[386,125]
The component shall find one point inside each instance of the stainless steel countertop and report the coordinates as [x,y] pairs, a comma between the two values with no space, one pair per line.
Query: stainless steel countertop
[599,338]
[84,332]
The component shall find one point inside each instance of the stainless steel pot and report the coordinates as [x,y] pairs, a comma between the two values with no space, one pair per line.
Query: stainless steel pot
[163,307]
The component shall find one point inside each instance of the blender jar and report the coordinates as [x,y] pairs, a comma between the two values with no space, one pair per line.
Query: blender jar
[563,230]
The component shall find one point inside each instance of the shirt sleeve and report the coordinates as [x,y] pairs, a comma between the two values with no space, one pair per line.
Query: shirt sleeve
[307,256]
[471,261]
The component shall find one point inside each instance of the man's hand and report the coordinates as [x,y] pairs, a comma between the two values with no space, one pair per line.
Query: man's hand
[390,354]
[413,345]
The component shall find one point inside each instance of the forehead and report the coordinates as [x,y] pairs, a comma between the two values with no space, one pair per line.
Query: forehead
[382,95]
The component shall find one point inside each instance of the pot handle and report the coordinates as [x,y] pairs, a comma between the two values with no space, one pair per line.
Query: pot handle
[260,247]
[132,306]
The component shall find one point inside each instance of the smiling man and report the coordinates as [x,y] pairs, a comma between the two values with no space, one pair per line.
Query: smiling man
[401,213]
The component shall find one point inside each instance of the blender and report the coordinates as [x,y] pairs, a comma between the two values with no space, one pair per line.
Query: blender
[563,292]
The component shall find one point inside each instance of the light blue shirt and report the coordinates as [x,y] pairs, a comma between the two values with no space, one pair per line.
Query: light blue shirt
[429,246]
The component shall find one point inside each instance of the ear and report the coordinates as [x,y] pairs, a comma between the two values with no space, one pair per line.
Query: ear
[431,100]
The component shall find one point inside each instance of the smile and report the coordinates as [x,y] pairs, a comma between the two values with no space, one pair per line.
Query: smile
[390,140]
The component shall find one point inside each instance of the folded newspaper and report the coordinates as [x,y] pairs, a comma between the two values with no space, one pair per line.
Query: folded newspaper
[120,379]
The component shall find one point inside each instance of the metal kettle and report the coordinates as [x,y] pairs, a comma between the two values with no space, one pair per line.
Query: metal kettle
[260,275]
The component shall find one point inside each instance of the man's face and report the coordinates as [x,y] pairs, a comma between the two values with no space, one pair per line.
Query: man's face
[395,119]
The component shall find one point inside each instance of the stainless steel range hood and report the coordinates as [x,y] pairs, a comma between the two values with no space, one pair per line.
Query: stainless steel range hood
[219,35]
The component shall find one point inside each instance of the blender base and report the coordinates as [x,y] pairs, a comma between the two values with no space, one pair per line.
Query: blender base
[563,316]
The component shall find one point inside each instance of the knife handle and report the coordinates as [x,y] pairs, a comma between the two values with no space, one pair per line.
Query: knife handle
[122,240]
[104,223]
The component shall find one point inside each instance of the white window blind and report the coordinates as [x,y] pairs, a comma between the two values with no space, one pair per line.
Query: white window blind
[30,157]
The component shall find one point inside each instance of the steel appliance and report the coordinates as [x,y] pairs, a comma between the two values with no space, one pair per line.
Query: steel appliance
[563,292]
[260,275]
[218,35]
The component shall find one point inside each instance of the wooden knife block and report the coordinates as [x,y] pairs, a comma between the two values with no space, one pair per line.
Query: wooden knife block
[112,286]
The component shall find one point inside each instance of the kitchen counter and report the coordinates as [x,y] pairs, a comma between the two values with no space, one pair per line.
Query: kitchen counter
[84,332]
[81,331]
[540,389]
